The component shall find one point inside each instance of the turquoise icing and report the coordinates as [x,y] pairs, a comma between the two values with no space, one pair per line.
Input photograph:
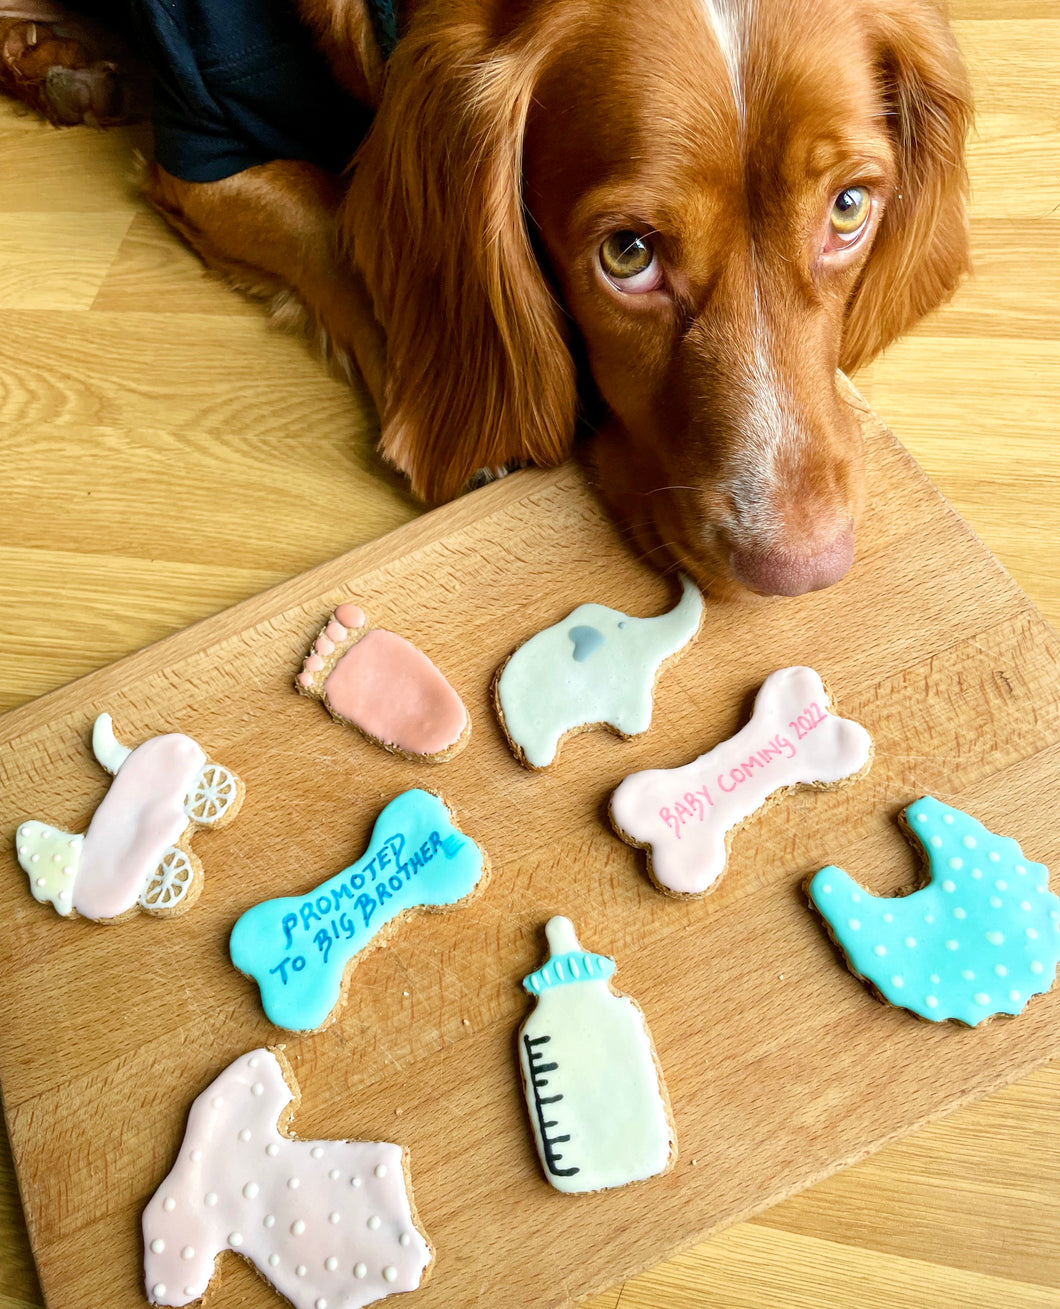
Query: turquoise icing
[586,641]
[297,947]
[574,966]
[981,938]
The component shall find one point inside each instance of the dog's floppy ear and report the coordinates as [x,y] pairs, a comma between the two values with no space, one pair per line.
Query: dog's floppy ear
[921,249]
[478,370]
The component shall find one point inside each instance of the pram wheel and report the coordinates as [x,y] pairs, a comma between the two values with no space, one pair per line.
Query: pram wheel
[212,796]
[169,883]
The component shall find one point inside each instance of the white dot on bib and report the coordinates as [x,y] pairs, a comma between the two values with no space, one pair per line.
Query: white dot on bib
[40,882]
[936,841]
[855,897]
[981,998]
[390,1273]
[334,1216]
[320,1304]
[947,885]
[334,1174]
[301,1270]
[995,902]
[931,1001]
[968,975]
[360,1270]
[196,1156]
[244,1135]
[374,1222]
[888,918]
[1036,967]
[956,863]
[993,856]
[269,1220]
[272,1150]
[921,817]
[218,1101]
[331,1263]
[854,924]
[235,1238]
[996,938]
[297,1227]
[879,950]
[257,1089]
[929,918]
[948,819]
[274,1259]
[977,873]
[826,889]
[188,1252]
[158,1290]
[405,1239]
[953,945]
[1000,970]
[293,1183]
[968,842]
[1020,870]
[250,1190]
[1014,995]
[316,1151]
[959,913]
[935,978]
[253,1061]
[898,981]
[169,1204]
[1031,934]
[355,1181]
[910,942]
[1000,885]
[380,1170]
[210,1199]
[1025,905]
[158,1245]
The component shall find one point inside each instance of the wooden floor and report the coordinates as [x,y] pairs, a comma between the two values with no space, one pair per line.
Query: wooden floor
[164,454]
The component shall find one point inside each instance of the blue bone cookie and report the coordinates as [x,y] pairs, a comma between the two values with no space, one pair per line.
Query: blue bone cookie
[981,938]
[597,667]
[297,948]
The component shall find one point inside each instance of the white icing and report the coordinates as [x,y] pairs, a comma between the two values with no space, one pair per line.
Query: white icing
[107,749]
[596,666]
[684,814]
[611,1104]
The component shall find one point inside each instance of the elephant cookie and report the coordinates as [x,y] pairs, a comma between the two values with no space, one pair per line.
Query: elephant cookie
[597,668]
[982,938]
[136,850]
[385,687]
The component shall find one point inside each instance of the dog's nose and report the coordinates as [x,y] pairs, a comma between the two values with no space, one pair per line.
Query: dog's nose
[780,571]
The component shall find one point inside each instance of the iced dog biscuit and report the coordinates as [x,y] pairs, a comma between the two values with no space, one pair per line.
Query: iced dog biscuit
[381,684]
[594,1090]
[327,1223]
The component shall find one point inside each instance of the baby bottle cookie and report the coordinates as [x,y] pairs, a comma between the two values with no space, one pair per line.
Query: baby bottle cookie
[598,1107]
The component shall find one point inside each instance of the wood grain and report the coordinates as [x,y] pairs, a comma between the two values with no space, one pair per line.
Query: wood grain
[970,1206]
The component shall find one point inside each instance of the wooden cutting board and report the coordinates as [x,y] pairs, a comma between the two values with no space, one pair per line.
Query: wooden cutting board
[780,1065]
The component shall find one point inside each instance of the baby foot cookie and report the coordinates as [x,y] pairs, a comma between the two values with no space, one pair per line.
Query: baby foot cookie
[598,1107]
[685,817]
[980,939]
[597,668]
[297,948]
[325,1222]
[136,852]
[379,683]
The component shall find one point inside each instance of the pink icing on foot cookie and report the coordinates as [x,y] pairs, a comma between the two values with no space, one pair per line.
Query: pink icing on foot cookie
[326,1222]
[381,684]
[135,851]
[684,816]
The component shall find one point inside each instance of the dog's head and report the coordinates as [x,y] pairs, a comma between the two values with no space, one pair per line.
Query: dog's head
[711,206]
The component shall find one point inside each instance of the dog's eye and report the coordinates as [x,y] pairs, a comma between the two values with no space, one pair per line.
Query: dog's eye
[850,212]
[630,262]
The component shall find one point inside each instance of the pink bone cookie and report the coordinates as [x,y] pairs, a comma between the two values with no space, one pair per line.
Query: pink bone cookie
[381,684]
[683,816]
[326,1222]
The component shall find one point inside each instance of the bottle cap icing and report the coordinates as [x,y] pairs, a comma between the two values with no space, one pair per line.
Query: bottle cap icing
[597,1106]
[296,948]
[568,962]
[981,938]
[596,667]
[325,1222]
[683,816]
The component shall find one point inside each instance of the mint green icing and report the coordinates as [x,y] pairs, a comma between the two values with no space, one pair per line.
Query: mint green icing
[596,666]
[574,966]
[981,938]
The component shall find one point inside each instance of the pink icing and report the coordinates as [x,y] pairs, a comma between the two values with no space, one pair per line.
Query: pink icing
[683,814]
[392,691]
[350,615]
[326,1222]
[141,814]
[335,631]
[313,663]
[323,646]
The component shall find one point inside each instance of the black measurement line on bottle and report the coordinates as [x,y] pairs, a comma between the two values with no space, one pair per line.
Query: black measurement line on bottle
[538,1081]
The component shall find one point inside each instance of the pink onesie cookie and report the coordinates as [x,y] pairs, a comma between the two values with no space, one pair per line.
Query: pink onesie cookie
[136,851]
[382,685]
[329,1223]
